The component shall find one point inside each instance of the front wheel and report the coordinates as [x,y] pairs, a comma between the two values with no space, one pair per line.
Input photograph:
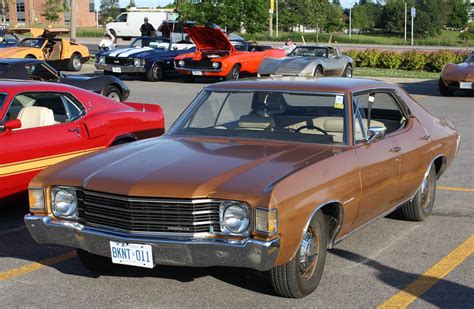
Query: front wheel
[318,72]
[301,276]
[113,93]
[75,63]
[421,206]
[348,71]
[96,263]
[155,73]
[234,73]
[445,90]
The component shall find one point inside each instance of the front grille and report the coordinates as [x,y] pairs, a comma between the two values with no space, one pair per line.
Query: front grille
[118,61]
[147,214]
[198,64]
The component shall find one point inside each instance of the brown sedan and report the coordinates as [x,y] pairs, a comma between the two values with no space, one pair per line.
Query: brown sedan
[261,174]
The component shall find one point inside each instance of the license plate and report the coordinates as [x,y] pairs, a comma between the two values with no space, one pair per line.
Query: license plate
[199,73]
[117,70]
[131,254]
[465,85]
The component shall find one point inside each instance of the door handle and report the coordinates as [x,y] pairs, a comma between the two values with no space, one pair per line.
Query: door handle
[396,149]
[77,130]
[426,138]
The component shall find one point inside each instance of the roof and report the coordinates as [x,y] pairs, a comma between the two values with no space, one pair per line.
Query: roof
[19,60]
[325,84]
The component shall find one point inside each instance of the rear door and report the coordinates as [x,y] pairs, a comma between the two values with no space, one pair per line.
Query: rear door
[52,132]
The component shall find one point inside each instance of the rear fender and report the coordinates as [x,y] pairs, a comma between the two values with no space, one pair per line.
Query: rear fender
[144,107]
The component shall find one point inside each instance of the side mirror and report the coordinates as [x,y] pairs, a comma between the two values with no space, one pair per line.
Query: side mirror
[374,133]
[10,125]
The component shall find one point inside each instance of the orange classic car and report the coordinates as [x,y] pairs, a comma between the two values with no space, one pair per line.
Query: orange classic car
[457,77]
[216,56]
[46,44]
[261,174]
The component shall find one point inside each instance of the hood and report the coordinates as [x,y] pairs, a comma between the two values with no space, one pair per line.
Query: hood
[130,52]
[209,39]
[185,167]
[287,65]
[459,72]
[14,51]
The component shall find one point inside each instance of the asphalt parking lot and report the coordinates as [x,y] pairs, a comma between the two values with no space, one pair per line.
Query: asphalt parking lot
[391,263]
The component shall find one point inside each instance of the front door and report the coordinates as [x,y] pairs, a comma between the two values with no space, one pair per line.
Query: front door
[51,132]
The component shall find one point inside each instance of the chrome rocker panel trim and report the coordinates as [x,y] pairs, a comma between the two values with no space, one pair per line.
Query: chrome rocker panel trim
[247,253]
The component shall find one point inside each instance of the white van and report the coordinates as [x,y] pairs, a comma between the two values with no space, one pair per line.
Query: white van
[128,24]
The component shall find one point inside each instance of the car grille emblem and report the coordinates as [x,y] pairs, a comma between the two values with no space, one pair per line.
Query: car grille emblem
[116,61]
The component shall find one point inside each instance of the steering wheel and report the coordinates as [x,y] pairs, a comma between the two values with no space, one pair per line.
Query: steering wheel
[312,128]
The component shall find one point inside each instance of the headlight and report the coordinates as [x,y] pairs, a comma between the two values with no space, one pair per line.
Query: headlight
[64,202]
[216,65]
[102,60]
[138,62]
[36,199]
[181,63]
[234,217]
[266,221]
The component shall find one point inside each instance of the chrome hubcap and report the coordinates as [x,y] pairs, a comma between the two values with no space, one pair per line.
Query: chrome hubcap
[235,74]
[309,253]
[156,71]
[349,72]
[76,63]
[426,190]
[114,96]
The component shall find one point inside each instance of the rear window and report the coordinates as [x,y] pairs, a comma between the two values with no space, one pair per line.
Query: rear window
[2,99]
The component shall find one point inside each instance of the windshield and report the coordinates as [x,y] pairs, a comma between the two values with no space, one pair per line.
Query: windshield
[470,58]
[300,117]
[156,43]
[37,43]
[309,52]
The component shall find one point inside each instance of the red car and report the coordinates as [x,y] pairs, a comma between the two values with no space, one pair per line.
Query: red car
[216,56]
[42,124]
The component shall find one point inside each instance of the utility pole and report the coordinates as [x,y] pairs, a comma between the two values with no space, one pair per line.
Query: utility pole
[350,23]
[72,9]
[270,18]
[413,15]
[405,22]
[276,11]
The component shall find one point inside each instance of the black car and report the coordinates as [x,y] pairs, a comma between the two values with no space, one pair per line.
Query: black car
[32,69]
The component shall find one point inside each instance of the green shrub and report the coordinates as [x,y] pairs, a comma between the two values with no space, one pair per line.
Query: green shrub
[355,55]
[390,60]
[439,58]
[370,58]
[414,60]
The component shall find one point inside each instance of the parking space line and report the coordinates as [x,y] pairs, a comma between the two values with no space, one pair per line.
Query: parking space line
[437,272]
[442,188]
[16,272]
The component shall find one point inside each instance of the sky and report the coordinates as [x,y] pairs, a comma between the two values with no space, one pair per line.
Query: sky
[144,3]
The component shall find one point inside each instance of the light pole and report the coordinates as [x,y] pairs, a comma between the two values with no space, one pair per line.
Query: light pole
[413,15]
[405,22]
[276,14]
[350,22]
[73,20]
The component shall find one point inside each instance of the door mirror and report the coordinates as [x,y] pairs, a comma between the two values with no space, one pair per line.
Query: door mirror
[12,124]
[374,133]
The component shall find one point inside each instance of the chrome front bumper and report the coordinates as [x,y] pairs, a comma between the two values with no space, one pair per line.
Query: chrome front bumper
[124,69]
[248,253]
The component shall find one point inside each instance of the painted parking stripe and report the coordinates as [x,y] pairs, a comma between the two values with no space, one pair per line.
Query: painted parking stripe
[20,271]
[437,272]
[442,188]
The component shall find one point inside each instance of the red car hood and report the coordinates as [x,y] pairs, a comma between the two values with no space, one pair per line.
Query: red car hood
[209,39]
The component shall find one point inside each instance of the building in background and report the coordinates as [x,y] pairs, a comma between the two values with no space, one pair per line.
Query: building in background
[471,11]
[28,13]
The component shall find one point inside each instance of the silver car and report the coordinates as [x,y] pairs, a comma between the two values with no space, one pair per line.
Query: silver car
[309,61]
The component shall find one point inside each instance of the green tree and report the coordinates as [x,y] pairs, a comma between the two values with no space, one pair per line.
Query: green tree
[131,4]
[254,15]
[430,18]
[317,13]
[108,10]
[367,15]
[52,9]
[335,18]
[459,17]
[394,15]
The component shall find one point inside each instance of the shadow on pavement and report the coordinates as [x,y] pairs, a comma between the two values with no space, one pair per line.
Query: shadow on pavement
[400,279]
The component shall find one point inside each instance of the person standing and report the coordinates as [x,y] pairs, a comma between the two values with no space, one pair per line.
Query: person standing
[147,29]
[289,46]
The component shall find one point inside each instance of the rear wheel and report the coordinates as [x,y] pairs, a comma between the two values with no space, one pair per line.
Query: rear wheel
[421,206]
[155,73]
[301,276]
[445,90]
[75,63]
[113,93]
[348,71]
[234,73]
[30,57]
[96,263]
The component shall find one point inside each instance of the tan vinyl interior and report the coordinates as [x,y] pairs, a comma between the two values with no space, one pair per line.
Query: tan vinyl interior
[55,52]
[36,116]
[334,126]
[255,122]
